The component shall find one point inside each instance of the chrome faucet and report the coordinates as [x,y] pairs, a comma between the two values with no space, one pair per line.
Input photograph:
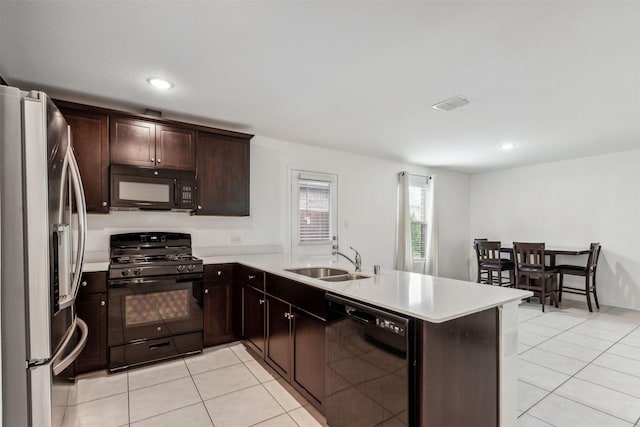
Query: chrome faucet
[358,259]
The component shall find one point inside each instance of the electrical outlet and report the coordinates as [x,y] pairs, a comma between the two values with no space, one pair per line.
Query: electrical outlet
[235,240]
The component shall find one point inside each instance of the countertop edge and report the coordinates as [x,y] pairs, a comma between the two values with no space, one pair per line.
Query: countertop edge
[516,294]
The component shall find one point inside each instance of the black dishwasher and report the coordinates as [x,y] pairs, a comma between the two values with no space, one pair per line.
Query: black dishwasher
[370,364]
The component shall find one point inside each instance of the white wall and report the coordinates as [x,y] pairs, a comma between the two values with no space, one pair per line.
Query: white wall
[366,208]
[569,203]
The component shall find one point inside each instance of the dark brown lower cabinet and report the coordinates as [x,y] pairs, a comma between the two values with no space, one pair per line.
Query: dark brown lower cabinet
[91,306]
[307,374]
[218,313]
[278,348]
[295,335]
[253,313]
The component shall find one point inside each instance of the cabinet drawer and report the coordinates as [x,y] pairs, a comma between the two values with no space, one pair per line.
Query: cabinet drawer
[251,277]
[93,283]
[217,273]
[297,294]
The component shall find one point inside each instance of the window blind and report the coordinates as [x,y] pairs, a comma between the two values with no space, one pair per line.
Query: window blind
[418,211]
[314,210]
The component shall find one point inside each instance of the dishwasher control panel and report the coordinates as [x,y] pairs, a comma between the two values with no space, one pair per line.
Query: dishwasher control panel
[390,326]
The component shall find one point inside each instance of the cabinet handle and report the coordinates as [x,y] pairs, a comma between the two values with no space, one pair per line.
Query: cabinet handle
[290,316]
[261,301]
[219,272]
[84,283]
[206,291]
[251,277]
[199,207]
[104,203]
[102,303]
[159,161]
[153,160]
[286,316]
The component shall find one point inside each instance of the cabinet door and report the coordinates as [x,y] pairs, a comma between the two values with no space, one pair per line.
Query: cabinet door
[222,168]
[218,313]
[92,309]
[308,356]
[132,142]
[175,148]
[278,351]
[89,136]
[253,309]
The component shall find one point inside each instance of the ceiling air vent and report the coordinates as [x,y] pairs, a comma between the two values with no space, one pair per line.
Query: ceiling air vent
[451,104]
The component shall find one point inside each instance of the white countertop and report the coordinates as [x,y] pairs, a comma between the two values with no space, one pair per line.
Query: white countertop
[430,298]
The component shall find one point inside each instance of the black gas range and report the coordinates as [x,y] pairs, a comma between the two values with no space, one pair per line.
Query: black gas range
[152,254]
[155,298]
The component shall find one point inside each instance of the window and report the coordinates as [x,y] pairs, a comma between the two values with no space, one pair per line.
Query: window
[314,217]
[418,212]
[314,210]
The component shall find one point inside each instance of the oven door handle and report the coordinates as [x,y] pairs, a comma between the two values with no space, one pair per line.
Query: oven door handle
[145,281]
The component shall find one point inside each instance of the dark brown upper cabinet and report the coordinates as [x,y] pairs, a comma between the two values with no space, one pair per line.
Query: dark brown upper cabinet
[142,143]
[89,136]
[222,170]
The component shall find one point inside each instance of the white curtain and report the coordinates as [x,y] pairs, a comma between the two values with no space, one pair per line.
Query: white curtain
[431,265]
[404,256]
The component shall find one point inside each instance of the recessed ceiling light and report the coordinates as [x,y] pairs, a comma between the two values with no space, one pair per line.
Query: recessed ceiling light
[159,83]
[508,146]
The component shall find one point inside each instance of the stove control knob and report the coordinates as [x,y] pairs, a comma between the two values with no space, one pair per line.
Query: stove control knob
[180,268]
[137,271]
[191,267]
[125,272]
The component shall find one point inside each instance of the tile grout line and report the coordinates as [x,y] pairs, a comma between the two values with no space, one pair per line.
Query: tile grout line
[128,401]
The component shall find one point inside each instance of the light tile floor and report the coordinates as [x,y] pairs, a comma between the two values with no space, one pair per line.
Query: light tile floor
[576,369]
[223,386]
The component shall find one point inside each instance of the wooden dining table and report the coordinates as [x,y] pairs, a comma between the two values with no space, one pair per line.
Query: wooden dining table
[550,251]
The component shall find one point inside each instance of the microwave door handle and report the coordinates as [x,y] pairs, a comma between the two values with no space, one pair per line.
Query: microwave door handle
[73,354]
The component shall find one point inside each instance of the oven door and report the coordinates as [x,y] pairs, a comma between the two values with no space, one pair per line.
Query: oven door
[155,307]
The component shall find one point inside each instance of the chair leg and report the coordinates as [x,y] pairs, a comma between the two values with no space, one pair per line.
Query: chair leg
[554,284]
[560,290]
[542,295]
[479,273]
[499,277]
[512,279]
[586,288]
[595,293]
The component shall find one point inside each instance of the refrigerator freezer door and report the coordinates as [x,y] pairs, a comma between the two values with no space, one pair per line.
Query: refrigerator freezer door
[49,389]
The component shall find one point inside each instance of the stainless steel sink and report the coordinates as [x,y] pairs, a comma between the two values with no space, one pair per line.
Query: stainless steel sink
[344,277]
[318,272]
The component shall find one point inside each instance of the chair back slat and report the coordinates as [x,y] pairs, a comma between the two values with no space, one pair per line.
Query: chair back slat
[594,254]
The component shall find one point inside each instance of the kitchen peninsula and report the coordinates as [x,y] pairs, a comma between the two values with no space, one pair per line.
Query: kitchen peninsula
[465,336]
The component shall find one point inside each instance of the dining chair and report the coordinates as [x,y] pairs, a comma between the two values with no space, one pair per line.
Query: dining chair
[490,262]
[531,272]
[475,241]
[587,271]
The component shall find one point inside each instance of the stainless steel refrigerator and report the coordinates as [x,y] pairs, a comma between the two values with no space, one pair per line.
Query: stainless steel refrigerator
[43,232]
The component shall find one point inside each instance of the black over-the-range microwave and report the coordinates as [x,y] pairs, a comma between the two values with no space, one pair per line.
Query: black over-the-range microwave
[154,189]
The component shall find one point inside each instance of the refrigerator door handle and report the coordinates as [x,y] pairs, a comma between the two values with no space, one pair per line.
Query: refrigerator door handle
[73,355]
[81,208]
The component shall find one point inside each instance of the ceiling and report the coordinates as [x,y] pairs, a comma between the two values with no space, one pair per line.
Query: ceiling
[560,79]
